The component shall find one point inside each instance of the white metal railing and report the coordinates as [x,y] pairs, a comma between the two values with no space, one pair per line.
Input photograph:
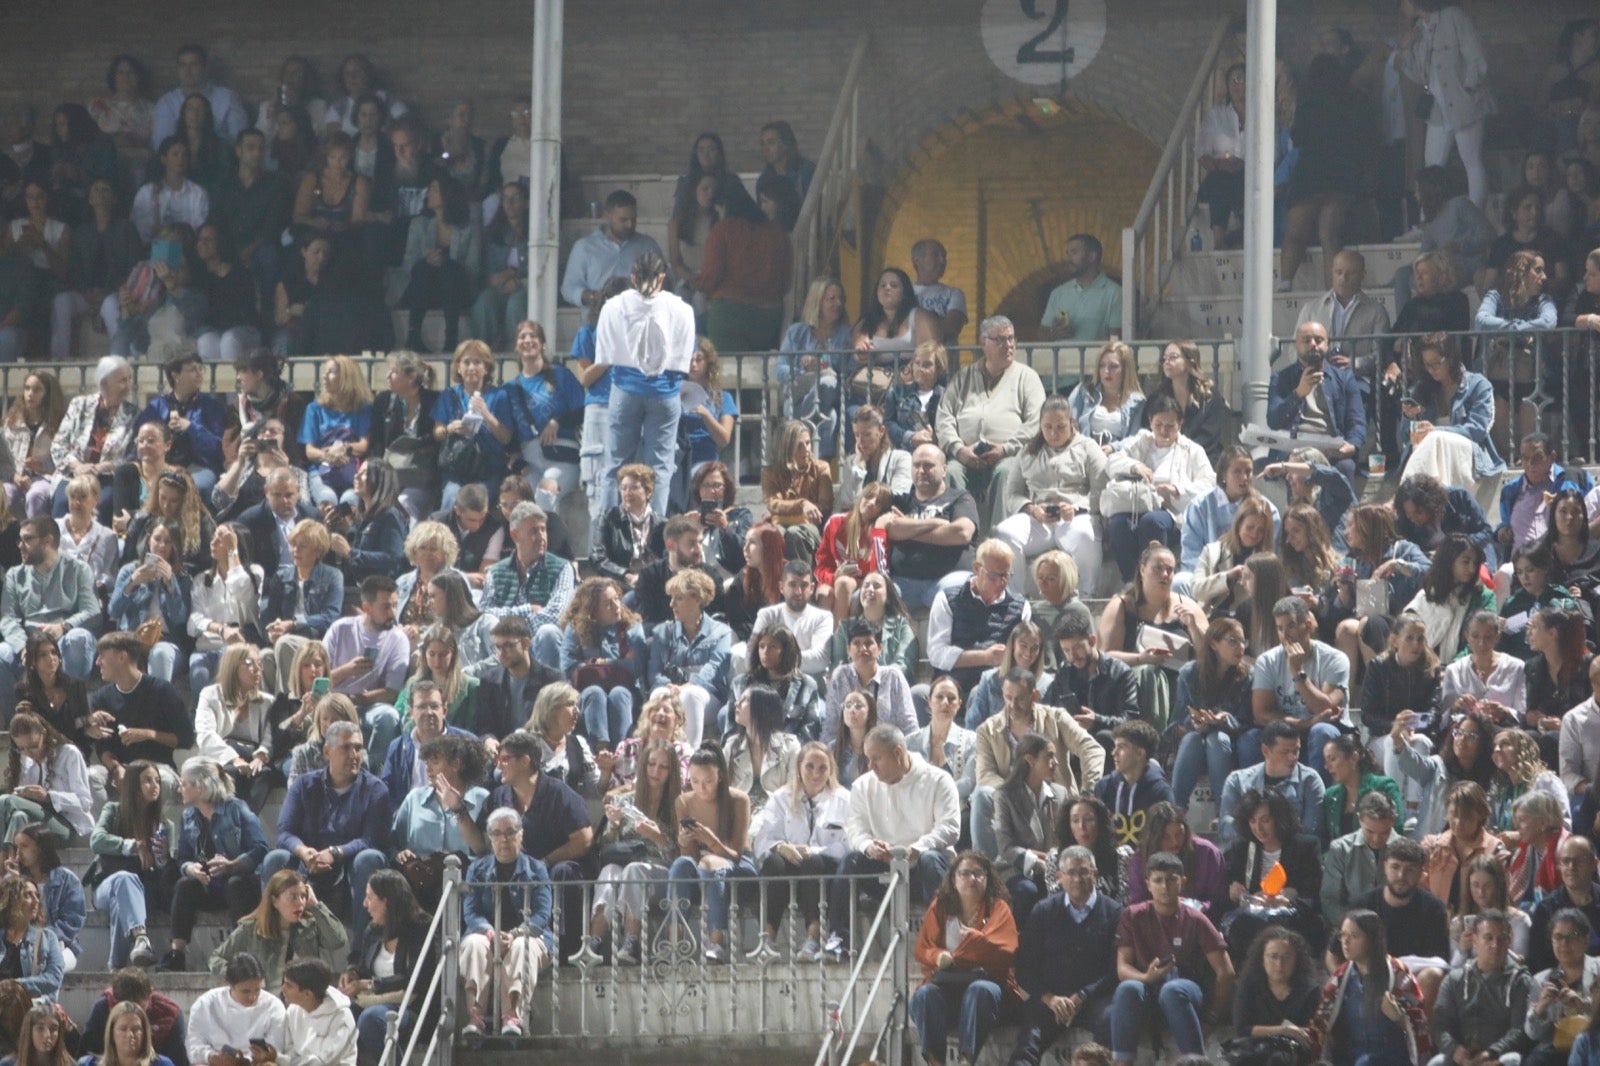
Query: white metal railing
[1151,243]
[834,194]
[444,936]
[895,964]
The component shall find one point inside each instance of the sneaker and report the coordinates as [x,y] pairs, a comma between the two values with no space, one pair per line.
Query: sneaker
[629,953]
[511,1025]
[716,952]
[835,948]
[810,951]
[476,1026]
[174,961]
[142,954]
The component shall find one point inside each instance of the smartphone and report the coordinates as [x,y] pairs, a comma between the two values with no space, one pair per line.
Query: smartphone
[1423,720]
[233,1052]
[1409,401]
[151,558]
[1167,960]
[983,447]
[321,686]
[689,823]
[369,652]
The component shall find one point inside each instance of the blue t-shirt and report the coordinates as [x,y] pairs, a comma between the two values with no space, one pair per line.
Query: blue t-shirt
[453,403]
[638,383]
[323,426]
[702,449]
[583,348]
[537,401]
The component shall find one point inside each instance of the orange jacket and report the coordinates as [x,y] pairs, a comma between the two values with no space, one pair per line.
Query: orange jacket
[992,944]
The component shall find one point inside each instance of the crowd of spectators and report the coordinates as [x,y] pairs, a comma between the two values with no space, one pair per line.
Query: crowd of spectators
[373,603]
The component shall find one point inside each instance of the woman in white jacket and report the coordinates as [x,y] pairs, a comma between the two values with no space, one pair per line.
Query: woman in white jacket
[233,725]
[1220,580]
[235,1014]
[1441,51]
[318,1028]
[646,335]
[801,832]
[1153,480]
[225,600]
[47,772]
[1052,494]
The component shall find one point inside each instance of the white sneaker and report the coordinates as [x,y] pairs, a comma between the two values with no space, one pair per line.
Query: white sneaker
[142,954]
[511,1025]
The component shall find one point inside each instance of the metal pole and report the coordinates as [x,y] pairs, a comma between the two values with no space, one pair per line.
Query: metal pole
[1255,345]
[900,922]
[544,166]
[450,959]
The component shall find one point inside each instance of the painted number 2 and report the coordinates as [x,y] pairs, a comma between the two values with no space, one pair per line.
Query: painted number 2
[1030,52]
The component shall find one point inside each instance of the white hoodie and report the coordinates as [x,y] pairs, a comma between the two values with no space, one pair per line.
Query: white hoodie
[217,1020]
[648,334]
[324,1037]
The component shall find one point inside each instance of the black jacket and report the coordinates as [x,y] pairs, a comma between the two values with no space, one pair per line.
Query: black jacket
[385,422]
[1060,957]
[496,715]
[1111,693]
[263,527]
[1461,515]
[408,957]
[615,556]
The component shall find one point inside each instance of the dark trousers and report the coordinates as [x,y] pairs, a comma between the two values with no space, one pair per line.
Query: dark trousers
[443,287]
[237,894]
[926,874]
[807,893]
[1040,1030]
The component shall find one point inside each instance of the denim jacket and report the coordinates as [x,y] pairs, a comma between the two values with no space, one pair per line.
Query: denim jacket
[131,606]
[324,599]
[1086,397]
[65,904]
[477,904]
[704,660]
[235,834]
[42,965]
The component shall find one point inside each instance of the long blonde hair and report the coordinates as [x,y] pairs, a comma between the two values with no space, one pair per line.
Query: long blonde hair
[235,696]
[352,392]
[797,788]
[1130,368]
[450,683]
[309,650]
[880,496]
[811,310]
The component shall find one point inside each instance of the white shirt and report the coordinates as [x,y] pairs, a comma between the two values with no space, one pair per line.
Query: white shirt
[1506,684]
[232,601]
[941,653]
[921,810]
[67,781]
[157,203]
[812,628]
[323,1037]
[228,116]
[1580,745]
[1221,133]
[940,298]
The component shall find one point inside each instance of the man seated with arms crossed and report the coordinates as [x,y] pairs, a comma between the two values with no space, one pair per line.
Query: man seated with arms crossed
[901,802]
[50,594]
[335,821]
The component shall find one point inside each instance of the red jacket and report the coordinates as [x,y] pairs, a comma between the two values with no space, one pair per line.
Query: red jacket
[992,944]
[832,552]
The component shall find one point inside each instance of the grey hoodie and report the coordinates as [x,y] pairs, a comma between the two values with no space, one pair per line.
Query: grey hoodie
[1485,1011]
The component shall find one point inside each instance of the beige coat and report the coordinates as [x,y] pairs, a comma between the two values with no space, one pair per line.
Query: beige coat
[1054,724]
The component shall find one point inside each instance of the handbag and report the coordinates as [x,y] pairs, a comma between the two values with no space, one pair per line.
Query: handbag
[1265,1051]
[1424,106]
[1129,496]
[1511,360]
[954,980]
[622,852]
[148,634]
[606,676]
[869,383]
[461,460]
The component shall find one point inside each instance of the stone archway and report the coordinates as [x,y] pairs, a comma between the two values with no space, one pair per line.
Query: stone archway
[1004,188]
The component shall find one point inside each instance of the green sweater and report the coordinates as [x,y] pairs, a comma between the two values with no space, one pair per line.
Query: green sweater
[1333,802]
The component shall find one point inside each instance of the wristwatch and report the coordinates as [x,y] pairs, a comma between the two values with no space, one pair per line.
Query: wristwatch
[1301,678]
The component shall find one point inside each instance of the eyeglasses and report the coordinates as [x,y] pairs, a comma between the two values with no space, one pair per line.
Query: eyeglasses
[973,873]
[998,575]
[504,834]
[1462,731]
[507,645]
[1432,364]
[1237,642]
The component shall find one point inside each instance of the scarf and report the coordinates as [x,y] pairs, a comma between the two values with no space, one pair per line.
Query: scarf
[1535,866]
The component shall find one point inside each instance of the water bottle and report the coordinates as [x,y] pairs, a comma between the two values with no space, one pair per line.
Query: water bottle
[1195,240]
[158,843]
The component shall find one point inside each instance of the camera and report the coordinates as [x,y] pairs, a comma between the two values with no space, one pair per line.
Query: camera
[1052,510]
[707,507]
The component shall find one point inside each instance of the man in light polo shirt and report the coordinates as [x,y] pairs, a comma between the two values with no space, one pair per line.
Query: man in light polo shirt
[1088,305]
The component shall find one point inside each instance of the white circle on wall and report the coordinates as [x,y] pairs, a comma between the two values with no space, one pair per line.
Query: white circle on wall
[1035,41]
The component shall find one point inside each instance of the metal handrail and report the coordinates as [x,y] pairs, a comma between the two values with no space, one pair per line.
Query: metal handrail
[1175,155]
[839,155]
[448,904]
[896,905]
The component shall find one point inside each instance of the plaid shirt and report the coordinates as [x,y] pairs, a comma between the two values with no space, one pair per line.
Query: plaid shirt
[550,582]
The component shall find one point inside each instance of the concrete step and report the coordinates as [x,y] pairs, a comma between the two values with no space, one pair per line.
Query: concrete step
[1222,272]
[211,930]
[80,990]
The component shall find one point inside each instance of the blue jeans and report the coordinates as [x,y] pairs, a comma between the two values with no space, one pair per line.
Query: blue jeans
[380,724]
[1249,747]
[1128,535]
[202,669]
[607,716]
[983,836]
[364,865]
[162,662]
[920,591]
[1180,1001]
[77,659]
[372,1029]
[121,897]
[687,878]
[547,646]
[1214,752]
[644,429]
[930,1010]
